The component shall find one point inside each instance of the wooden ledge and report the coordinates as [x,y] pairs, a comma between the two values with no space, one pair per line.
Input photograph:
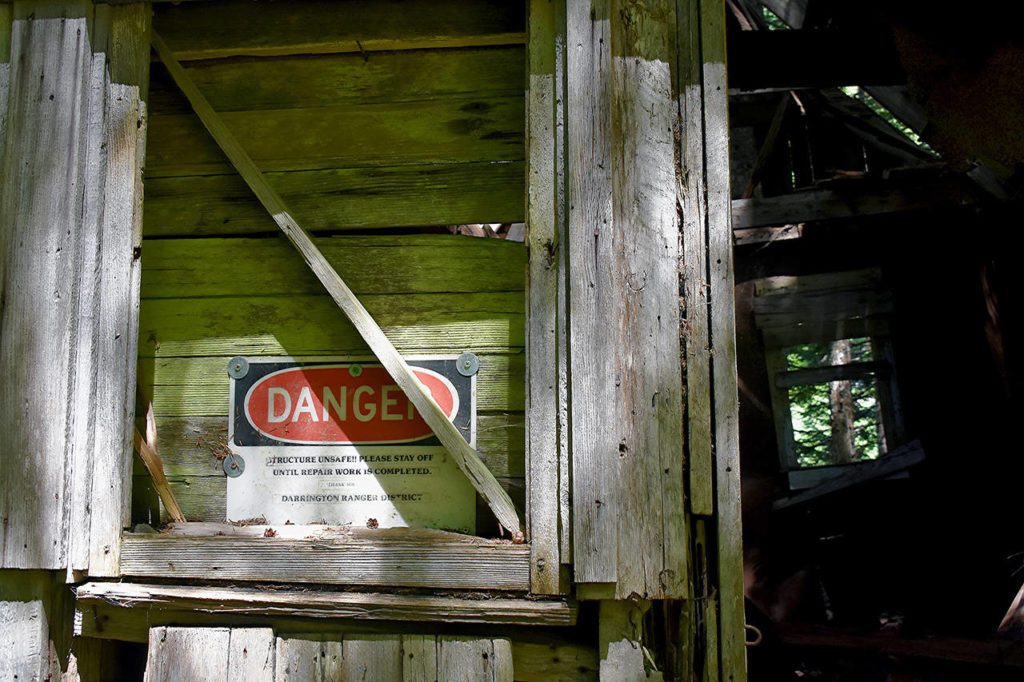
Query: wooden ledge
[95,597]
[396,557]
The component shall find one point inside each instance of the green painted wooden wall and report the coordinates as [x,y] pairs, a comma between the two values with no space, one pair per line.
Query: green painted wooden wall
[354,141]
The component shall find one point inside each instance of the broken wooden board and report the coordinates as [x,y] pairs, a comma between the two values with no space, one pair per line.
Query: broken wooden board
[322,605]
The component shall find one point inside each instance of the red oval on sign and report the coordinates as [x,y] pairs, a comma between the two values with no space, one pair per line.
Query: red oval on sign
[342,405]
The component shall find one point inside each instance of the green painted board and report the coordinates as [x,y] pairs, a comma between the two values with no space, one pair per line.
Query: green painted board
[407,264]
[312,325]
[448,130]
[332,79]
[340,199]
[243,27]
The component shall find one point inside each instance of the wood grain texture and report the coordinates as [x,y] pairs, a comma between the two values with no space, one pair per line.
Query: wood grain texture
[341,198]
[626,375]
[181,654]
[467,460]
[240,28]
[112,464]
[591,292]
[469,659]
[41,202]
[85,381]
[407,264]
[645,247]
[29,604]
[732,649]
[304,603]
[408,562]
[694,265]
[545,241]
[251,655]
[391,133]
[485,323]
[327,80]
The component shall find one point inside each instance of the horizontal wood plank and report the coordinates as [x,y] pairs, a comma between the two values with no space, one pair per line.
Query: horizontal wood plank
[821,205]
[793,331]
[402,563]
[785,285]
[340,198]
[327,80]
[241,27]
[384,134]
[407,264]
[821,375]
[311,325]
[327,605]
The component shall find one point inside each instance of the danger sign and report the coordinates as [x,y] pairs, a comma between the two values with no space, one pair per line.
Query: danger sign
[339,442]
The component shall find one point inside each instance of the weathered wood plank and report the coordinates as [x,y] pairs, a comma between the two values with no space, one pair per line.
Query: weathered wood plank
[868,279]
[469,659]
[340,199]
[242,601]
[731,642]
[621,642]
[694,262]
[408,264]
[409,563]
[776,365]
[645,279]
[298,660]
[390,133]
[371,657]
[419,658]
[466,459]
[84,389]
[242,28]
[592,413]
[555,659]
[112,464]
[311,325]
[545,242]
[823,205]
[41,201]
[29,605]
[821,305]
[314,80]
[185,654]
[251,655]
[624,306]
[821,375]
[5,72]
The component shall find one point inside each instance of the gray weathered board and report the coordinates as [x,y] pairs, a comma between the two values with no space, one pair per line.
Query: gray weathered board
[259,655]
[69,209]
[623,273]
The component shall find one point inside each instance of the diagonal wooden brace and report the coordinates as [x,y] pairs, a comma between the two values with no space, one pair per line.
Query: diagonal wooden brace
[466,457]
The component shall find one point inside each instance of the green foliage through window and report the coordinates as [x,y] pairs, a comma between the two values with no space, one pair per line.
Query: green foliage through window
[811,407]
